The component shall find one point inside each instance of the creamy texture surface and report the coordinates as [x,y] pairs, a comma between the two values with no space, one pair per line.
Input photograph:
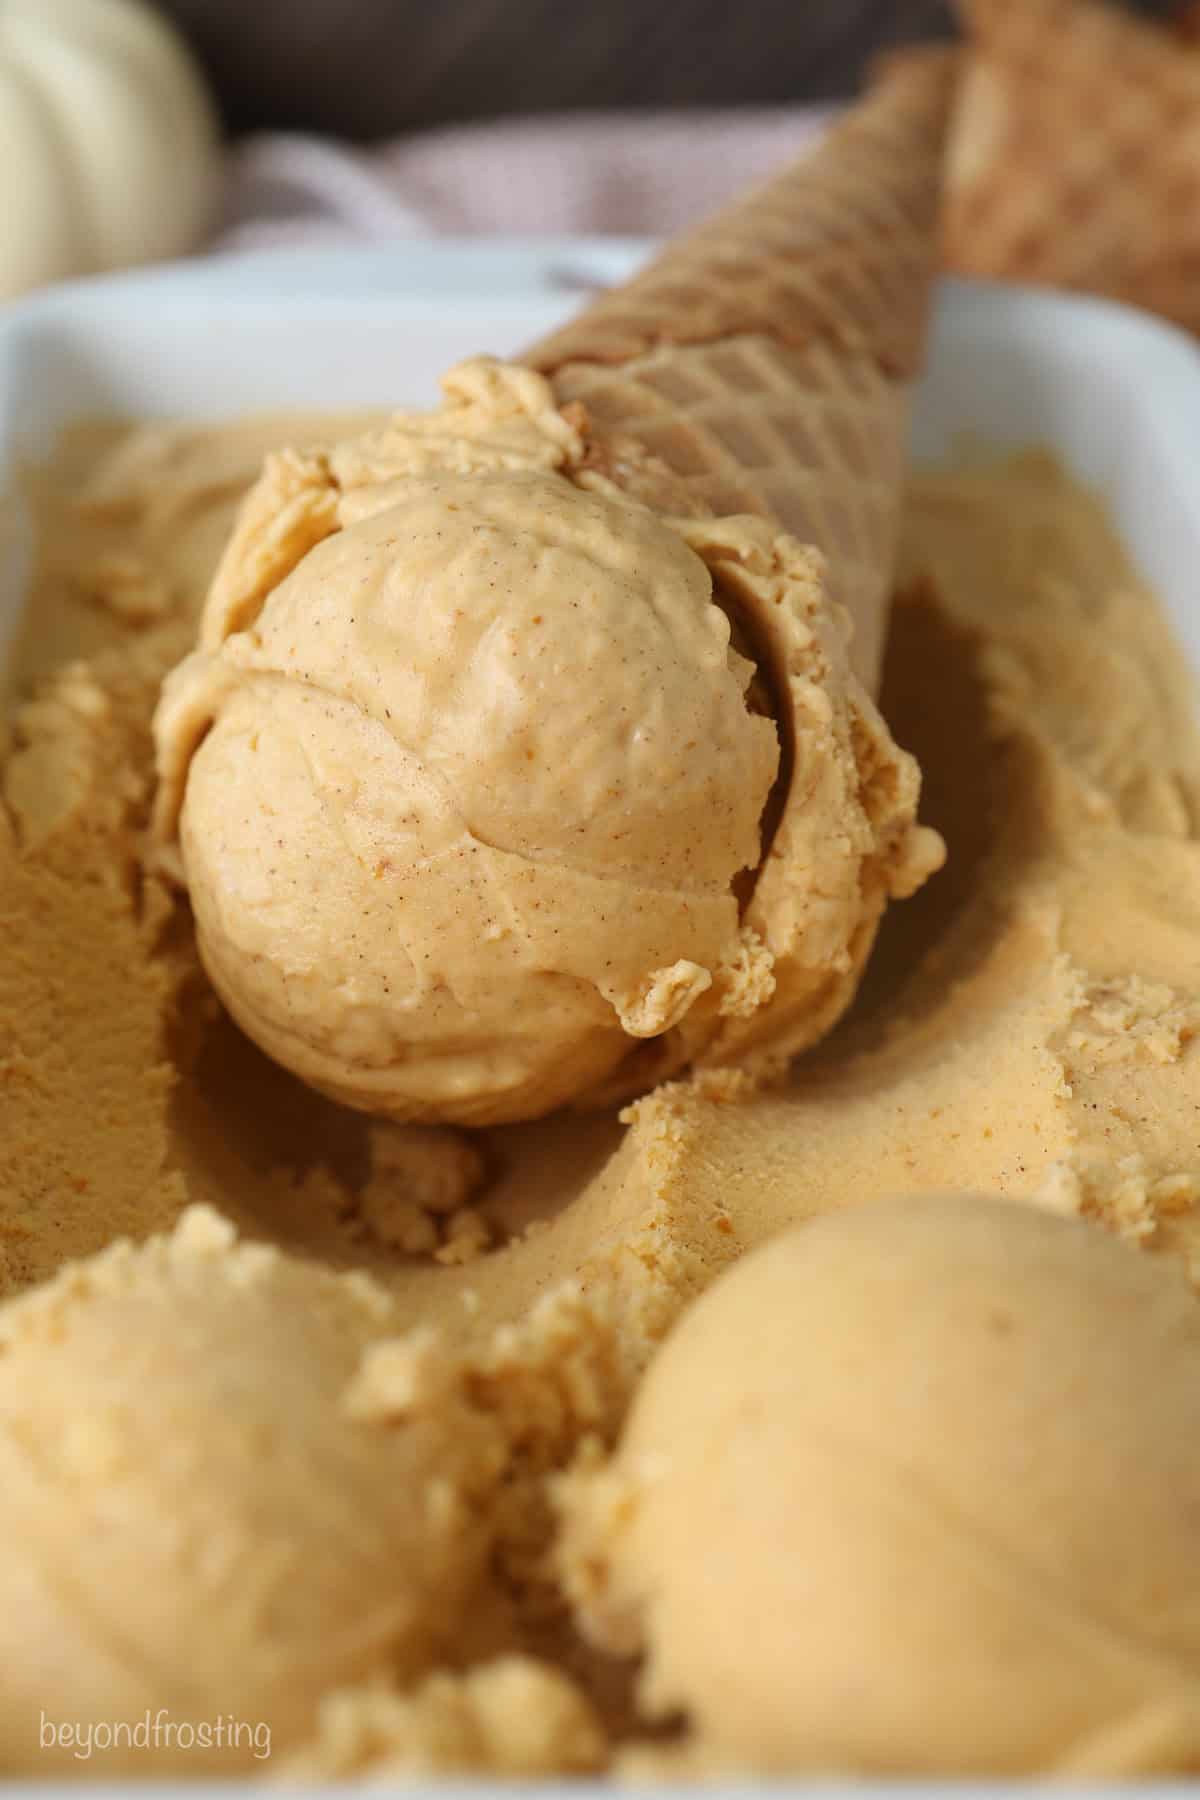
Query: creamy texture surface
[493,789]
[196,1428]
[1026,1028]
[935,1459]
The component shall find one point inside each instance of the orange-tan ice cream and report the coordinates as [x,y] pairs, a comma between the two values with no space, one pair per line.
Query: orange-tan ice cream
[485,775]
[1013,1036]
[216,1503]
[914,1488]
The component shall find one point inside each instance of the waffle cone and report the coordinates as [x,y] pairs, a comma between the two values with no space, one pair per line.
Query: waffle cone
[1075,154]
[763,362]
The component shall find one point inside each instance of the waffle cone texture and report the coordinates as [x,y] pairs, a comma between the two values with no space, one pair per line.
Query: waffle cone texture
[762,364]
[1074,157]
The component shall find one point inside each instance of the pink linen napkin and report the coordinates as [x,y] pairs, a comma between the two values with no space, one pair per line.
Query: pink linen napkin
[624,173]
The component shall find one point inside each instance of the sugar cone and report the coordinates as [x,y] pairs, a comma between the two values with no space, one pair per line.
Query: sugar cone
[764,360]
[1075,154]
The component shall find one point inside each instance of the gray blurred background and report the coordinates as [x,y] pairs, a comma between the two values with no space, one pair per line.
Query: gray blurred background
[365,69]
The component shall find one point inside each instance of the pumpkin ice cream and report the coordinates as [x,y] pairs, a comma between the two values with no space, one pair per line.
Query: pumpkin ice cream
[466,797]
[307,1377]
[936,1459]
[215,1502]
[1012,1036]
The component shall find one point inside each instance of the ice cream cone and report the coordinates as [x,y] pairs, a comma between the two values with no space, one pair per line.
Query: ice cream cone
[1075,154]
[764,360]
[742,806]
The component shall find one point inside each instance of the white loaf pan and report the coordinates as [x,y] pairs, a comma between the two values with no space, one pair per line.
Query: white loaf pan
[1115,393]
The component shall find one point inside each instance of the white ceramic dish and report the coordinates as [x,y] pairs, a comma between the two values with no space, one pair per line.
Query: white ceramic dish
[1116,394]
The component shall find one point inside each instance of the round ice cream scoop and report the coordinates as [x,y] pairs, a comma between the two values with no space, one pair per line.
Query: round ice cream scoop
[474,799]
[494,788]
[204,1518]
[916,1489]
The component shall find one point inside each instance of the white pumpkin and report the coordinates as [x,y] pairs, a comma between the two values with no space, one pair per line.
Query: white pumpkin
[108,140]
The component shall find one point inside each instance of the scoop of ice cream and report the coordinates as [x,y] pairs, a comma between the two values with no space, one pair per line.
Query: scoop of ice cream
[206,1509]
[471,808]
[471,772]
[915,1489]
[508,1718]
